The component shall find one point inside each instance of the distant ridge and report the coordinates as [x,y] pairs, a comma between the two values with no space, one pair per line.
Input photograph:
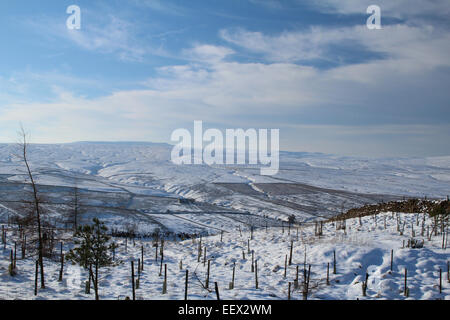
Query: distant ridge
[142,143]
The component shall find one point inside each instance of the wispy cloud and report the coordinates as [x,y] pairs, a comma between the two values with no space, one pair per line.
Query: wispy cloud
[400,95]
[116,36]
[104,34]
[403,43]
[163,6]
[397,8]
[207,53]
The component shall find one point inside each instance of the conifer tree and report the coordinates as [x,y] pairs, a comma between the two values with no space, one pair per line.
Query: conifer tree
[93,249]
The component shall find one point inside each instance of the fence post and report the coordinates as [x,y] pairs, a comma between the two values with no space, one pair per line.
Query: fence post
[392,259]
[334,261]
[36,278]
[132,280]
[232,279]
[165,279]
[217,290]
[290,256]
[207,275]
[406,283]
[256,274]
[328,274]
[289,291]
[142,257]
[61,271]
[186,285]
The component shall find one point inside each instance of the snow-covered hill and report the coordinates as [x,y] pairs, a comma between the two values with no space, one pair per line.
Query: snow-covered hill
[117,179]
[365,247]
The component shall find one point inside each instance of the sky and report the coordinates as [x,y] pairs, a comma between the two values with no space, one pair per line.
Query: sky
[137,70]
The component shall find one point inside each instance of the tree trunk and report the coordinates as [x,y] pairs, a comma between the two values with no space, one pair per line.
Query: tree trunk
[38,212]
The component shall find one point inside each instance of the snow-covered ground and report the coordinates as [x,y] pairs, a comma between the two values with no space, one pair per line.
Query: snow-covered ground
[138,182]
[148,164]
[135,185]
[365,247]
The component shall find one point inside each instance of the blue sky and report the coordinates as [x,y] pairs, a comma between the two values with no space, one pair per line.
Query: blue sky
[139,69]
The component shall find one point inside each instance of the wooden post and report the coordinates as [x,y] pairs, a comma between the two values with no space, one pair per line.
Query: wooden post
[232,279]
[217,290]
[290,255]
[306,283]
[392,259]
[132,280]
[221,235]
[334,261]
[61,271]
[296,278]
[248,246]
[448,272]
[285,266]
[440,280]
[256,274]
[142,258]
[406,283]
[253,261]
[186,285]
[204,256]
[289,291]
[207,275]
[328,274]
[36,278]
[165,279]
[156,252]
[139,267]
[161,265]
[15,254]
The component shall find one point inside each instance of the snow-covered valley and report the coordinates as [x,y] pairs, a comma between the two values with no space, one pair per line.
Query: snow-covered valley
[134,186]
[138,184]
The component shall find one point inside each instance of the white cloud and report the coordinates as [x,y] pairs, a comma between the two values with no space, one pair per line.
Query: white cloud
[208,53]
[422,44]
[397,96]
[389,8]
[101,33]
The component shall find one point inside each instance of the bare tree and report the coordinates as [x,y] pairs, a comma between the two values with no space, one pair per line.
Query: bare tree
[23,145]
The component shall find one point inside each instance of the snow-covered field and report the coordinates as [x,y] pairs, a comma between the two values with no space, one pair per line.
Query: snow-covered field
[135,185]
[365,247]
[136,182]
